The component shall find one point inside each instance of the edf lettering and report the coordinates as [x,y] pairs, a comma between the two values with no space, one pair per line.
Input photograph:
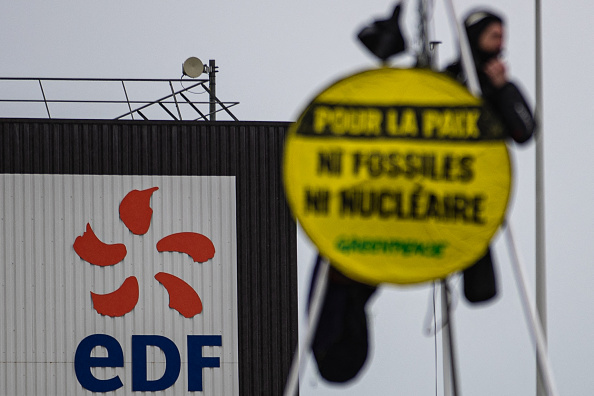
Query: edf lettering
[83,361]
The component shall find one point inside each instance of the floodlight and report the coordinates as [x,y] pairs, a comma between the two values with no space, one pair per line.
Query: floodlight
[383,37]
[193,67]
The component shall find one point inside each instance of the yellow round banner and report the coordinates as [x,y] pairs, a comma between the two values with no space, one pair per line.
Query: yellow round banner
[398,175]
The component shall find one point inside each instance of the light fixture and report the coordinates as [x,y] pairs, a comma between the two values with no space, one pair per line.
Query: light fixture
[383,37]
[193,67]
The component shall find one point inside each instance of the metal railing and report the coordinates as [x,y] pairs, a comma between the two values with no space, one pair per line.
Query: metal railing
[110,98]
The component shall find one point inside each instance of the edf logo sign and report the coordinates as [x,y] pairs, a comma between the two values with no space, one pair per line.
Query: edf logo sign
[136,214]
[120,284]
[83,362]
[188,247]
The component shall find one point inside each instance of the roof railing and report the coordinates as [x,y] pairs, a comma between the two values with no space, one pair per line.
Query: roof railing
[176,104]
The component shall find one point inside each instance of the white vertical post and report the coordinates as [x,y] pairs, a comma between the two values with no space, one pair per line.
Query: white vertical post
[541,275]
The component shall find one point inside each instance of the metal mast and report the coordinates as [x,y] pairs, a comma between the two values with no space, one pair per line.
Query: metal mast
[450,383]
[541,278]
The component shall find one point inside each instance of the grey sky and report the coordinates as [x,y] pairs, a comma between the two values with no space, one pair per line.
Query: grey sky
[274,56]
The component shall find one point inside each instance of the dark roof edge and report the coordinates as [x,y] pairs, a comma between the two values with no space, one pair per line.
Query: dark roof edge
[151,122]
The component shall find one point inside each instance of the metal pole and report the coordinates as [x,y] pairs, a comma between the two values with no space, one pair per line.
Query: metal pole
[449,357]
[127,100]
[445,347]
[434,48]
[465,53]
[532,318]
[317,299]
[212,88]
[424,57]
[175,100]
[541,278]
[44,100]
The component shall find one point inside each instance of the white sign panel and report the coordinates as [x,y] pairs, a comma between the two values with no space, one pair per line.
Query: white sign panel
[118,284]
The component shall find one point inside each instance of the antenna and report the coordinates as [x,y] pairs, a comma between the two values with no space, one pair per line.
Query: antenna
[193,67]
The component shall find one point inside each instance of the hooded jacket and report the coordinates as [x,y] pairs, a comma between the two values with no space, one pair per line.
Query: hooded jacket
[507,102]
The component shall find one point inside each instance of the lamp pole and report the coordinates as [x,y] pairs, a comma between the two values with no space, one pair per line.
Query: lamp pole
[212,86]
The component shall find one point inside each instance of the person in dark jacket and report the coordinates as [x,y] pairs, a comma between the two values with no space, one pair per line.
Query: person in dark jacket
[340,344]
[486,33]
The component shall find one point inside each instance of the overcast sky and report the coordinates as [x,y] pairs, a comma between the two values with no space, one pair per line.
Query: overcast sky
[275,56]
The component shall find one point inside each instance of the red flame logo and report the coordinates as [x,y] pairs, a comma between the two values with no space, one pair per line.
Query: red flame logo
[136,214]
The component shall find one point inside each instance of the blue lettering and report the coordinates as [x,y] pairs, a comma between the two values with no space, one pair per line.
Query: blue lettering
[83,361]
[172,363]
[196,362]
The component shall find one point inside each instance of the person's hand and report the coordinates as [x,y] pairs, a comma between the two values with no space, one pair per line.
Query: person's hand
[496,71]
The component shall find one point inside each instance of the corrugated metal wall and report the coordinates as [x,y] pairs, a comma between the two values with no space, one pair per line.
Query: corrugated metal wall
[266,233]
